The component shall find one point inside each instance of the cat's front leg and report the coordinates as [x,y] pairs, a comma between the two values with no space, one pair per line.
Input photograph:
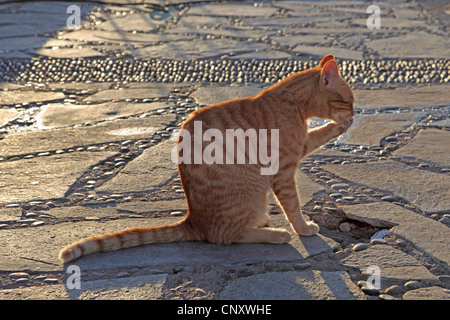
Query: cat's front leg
[320,136]
[285,190]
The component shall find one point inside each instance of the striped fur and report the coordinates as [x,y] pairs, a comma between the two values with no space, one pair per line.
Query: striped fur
[227,202]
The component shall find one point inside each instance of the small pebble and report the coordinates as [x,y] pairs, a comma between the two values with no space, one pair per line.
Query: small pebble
[37,223]
[360,247]
[51,280]
[17,275]
[338,186]
[386,297]
[123,274]
[393,290]
[378,241]
[412,285]
[445,280]
[401,243]
[21,280]
[345,227]
[388,198]
[176,213]
[301,266]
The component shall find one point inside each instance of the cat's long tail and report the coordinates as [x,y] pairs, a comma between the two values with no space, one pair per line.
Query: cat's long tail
[178,231]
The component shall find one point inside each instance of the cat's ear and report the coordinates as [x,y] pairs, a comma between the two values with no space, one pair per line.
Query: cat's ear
[330,73]
[326,59]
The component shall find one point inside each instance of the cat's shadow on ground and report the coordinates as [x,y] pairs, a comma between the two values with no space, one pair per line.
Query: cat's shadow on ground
[157,257]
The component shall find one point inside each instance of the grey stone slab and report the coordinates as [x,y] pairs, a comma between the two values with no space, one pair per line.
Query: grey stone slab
[323,51]
[214,94]
[78,52]
[107,210]
[10,214]
[293,285]
[199,48]
[62,138]
[379,126]
[148,287]
[83,35]
[152,206]
[52,7]
[427,234]
[7,115]
[394,265]
[436,94]
[150,171]
[59,114]
[129,93]
[138,21]
[431,45]
[44,177]
[302,39]
[19,96]
[429,145]
[245,9]
[307,188]
[427,190]
[22,43]
[263,54]
[428,293]
[39,247]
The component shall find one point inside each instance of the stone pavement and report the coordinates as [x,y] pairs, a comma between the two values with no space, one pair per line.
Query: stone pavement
[86,117]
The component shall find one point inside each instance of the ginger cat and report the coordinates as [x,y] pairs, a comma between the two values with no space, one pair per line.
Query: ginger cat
[227,202]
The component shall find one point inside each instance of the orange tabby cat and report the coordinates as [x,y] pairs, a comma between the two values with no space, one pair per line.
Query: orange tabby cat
[227,201]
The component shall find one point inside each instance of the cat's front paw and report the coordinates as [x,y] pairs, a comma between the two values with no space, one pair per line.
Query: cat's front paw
[344,126]
[309,229]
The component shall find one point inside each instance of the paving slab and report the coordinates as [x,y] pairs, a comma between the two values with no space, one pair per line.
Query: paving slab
[400,47]
[118,37]
[427,234]
[245,9]
[341,53]
[215,94]
[425,189]
[198,48]
[39,247]
[379,126]
[149,172]
[437,94]
[19,96]
[109,210]
[70,137]
[7,115]
[10,214]
[129,93]
[79,52]
[428,293]
[66,114]
[423,147]
[138,21]
[44,177]
[293,285]
[147,287]
[394,265]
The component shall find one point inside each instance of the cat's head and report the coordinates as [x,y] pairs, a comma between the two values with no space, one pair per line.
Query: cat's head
[336,95]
